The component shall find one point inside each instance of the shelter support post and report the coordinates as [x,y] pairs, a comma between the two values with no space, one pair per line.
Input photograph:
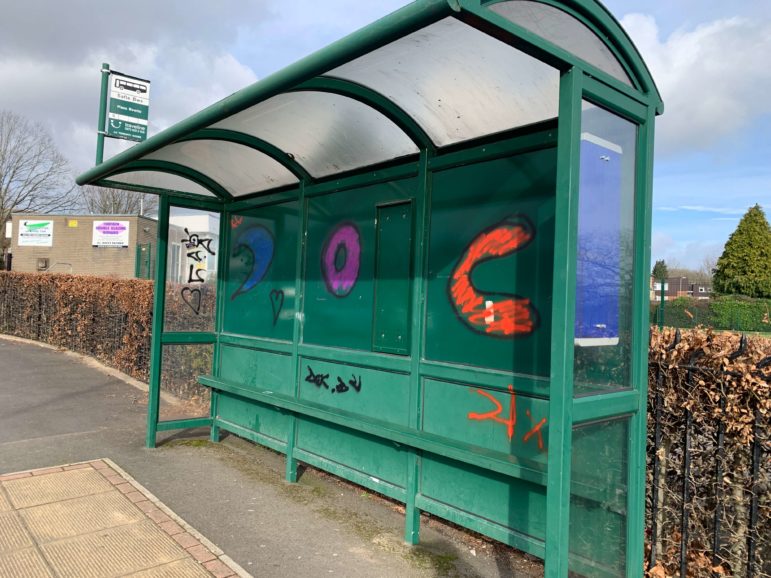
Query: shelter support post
[291,460]
[563,321]
[419,274]
[641,328]
[156,347]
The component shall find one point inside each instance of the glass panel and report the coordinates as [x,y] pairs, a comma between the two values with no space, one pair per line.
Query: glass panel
[326,133]
[563,30]
[159,180]
[459,83]
[491,250]
[260,283]
[598,500]
[604,275]
[239,169]
[191,270]
[181,395]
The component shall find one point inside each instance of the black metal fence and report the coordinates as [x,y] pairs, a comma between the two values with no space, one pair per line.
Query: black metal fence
[709,467]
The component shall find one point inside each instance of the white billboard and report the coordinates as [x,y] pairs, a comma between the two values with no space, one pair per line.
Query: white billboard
[110,234]
[36,233]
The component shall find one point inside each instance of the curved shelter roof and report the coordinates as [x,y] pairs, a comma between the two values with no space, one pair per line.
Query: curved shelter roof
[434,74]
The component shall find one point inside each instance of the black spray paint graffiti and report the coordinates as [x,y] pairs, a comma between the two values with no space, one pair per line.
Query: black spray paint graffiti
[320,380]
[197,248]
[276,303]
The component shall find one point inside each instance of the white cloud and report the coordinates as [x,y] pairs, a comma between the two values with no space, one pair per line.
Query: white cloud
[721,210]
[714,78]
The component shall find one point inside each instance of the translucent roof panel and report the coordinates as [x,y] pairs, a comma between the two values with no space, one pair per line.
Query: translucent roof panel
[238,168]
[565,31]
[160,180]
[458,83]
[326,133]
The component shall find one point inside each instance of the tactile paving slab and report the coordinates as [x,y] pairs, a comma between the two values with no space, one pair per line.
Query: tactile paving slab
[113,552]
[92,520]
[4,505]
[12,533]
[77,516]
[27,563]
[36,490]
[186,568]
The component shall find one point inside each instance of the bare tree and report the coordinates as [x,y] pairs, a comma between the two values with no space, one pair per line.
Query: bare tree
[34,176]
[106,201]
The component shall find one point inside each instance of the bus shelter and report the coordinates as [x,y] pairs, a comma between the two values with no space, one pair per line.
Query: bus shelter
[429,271]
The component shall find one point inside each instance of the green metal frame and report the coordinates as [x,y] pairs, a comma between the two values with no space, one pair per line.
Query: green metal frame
[580,80]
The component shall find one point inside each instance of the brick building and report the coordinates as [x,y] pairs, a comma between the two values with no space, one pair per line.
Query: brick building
[109,245]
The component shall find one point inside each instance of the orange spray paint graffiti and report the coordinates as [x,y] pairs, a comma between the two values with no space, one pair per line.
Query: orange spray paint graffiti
[511,421]
[498,315]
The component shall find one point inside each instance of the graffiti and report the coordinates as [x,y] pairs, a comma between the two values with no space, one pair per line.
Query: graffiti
[495,314]
[194,273]
[197,247]
[320,380]
[354,382]
[276,303]
[192,297]
[317,379]
[340,259]
[235,221]
[511,420]
[195,241]
[256,246]
[494,415]
[535,430]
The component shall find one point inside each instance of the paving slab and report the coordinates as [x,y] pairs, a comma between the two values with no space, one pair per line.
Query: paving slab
[73,521]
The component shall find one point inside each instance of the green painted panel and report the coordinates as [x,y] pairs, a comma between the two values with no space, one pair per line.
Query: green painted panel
[368,392]
[598,498]
[263,370]
[490,264]
[260,280]
[393,286]
[514,504]
[340,264]
[253,416]
[502,421]
[360,452]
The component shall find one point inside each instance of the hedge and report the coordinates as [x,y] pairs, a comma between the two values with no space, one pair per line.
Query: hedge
[729,312]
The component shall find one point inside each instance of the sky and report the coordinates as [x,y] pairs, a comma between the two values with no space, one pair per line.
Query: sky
[708,57]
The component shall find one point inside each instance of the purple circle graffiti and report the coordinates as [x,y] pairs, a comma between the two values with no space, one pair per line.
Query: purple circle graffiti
[343,244]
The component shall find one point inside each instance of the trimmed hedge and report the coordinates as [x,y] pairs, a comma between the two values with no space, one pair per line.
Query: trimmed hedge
[107,318]
[729,313]
[718,380]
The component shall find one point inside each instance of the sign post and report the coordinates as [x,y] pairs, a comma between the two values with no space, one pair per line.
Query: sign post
[123,109]
[102,113]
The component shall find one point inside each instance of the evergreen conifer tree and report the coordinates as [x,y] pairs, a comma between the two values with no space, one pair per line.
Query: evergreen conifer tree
[744,268]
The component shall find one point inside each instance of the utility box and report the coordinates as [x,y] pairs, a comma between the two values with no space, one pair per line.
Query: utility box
[429,274]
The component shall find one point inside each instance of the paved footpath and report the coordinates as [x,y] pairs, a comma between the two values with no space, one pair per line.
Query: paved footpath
[57,410]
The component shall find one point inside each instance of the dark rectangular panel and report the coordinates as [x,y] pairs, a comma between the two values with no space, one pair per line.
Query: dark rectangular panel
[393,263]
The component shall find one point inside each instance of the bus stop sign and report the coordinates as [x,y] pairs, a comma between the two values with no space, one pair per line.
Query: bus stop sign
[129,106]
